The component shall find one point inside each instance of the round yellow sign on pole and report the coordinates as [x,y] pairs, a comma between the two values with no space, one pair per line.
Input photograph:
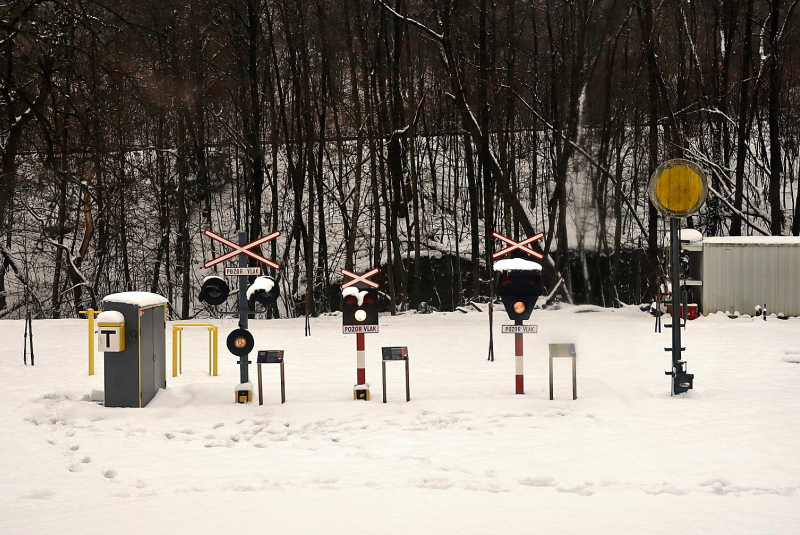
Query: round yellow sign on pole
[678,188]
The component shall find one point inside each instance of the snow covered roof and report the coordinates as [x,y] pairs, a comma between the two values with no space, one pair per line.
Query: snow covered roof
[757,240]
[110,316]
[691,235]
[140,299]
[517,264]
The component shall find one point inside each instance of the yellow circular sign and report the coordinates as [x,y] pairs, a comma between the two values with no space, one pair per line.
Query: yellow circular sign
[678,188]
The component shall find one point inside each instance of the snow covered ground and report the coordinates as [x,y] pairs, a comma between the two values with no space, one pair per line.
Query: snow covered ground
[466,455]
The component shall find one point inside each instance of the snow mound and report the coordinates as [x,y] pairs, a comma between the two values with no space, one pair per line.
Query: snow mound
[517,264]
[261,283]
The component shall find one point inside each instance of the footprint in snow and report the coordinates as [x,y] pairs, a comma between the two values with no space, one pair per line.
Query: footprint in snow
[538,482]
[40,495]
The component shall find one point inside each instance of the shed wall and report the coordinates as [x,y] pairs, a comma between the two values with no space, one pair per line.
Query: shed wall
[738,276]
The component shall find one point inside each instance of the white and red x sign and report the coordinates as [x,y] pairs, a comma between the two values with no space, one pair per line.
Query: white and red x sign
[360,278]
[241,249]
[518,245]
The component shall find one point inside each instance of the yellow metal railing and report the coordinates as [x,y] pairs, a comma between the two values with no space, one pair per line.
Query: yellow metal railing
[90,315]
[177,347]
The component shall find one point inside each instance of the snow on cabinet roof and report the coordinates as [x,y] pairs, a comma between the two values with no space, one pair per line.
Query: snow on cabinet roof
[691,235]
[110,316]
[753,240]
[140,299]
[517,264]
[263,282]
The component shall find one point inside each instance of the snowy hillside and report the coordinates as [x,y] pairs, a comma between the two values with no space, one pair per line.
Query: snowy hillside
[465,455]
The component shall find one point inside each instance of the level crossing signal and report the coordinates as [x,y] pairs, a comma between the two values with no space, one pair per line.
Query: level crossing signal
[517,281]
[360,299]
[214,290]
[264,290]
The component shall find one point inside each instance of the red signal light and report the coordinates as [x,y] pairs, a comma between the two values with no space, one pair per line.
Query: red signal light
[369,299]
[505,280]
[351,300]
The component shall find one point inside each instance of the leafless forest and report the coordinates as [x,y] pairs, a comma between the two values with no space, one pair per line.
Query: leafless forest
[391,133]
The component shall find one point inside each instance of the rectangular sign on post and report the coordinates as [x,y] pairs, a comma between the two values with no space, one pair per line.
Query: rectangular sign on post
[350,329]
[395,353]
[520,329]
[270,357]
[249,271]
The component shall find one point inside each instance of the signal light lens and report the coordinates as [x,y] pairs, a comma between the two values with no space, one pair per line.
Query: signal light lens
[351,300]
[505,280]
[360,315]
[213,292]
[369,299]
[519,307]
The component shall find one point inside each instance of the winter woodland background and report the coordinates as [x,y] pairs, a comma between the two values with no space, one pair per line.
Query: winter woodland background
[396,134]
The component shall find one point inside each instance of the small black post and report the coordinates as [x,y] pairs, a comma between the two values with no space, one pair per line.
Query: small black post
[675,252]
[283,385]
[383,368]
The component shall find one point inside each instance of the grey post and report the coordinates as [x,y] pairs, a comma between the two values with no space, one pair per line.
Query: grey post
[243,371]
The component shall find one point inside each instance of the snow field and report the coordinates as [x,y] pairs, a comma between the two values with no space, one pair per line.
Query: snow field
[466,455]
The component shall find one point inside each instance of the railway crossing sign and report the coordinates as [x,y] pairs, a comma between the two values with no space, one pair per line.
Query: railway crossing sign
[522,245]
[237,249]
[360,278]
[240,341]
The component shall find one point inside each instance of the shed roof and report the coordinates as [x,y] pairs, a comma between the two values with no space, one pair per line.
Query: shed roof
[753,240]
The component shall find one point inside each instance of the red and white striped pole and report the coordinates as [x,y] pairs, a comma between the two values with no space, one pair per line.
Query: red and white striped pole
[361,373]
[518,360]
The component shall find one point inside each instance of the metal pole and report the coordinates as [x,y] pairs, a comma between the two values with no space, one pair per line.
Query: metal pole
[90,316]
[243,361]
[408,384]
[260,390]
[675,253]
[361,372]
[383,369]
[574,378]
[518,359]
[283,385]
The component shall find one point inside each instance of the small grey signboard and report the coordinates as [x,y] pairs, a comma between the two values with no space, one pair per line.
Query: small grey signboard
[270,357]
[395,353]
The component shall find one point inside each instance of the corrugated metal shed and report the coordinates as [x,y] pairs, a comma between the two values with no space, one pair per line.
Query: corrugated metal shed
[740,272]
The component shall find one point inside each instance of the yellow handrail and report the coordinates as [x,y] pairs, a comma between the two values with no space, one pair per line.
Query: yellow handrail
[177,347]
[90,314]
